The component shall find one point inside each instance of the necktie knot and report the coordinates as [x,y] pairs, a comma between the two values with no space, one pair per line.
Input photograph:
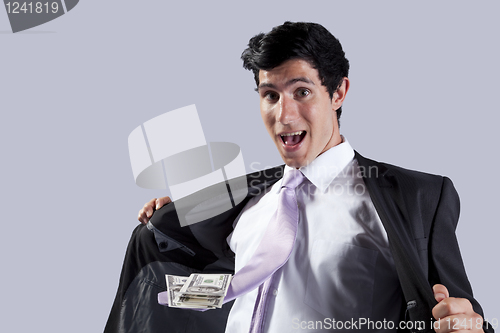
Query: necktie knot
[292,179]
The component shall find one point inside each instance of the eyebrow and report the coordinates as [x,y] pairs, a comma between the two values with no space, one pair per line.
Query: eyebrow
[289,83]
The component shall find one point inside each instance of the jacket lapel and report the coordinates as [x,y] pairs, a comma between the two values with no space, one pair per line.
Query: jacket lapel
[388,196]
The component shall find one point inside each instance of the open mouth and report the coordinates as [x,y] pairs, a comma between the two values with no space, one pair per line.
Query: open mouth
[293,139]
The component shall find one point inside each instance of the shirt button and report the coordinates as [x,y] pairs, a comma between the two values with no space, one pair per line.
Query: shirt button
[275,292]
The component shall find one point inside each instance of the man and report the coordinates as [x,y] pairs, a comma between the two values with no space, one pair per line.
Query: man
[374,242]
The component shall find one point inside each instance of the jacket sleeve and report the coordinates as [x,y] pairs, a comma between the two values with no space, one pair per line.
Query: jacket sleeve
[136,307]
[445,261]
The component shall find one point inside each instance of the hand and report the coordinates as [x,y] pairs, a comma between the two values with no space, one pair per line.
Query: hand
[149,207]
[454,314]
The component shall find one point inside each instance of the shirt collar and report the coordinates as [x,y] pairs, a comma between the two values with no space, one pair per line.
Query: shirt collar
[323,170]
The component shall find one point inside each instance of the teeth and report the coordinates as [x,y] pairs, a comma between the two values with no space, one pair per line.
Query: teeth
[294,133]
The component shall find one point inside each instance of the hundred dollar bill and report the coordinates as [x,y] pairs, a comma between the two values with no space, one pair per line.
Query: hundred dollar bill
[208,290]
[174,285]
[206,284]
[210,302]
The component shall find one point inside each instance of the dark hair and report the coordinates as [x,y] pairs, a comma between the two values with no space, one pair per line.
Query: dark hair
[300,40]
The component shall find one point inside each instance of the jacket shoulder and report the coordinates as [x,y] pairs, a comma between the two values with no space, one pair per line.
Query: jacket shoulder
[388,173]
[417,194]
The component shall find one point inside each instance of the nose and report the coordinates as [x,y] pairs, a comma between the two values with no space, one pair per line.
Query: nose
[288,111]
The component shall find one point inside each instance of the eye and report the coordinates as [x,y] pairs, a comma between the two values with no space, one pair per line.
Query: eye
[302,92]
[271,96]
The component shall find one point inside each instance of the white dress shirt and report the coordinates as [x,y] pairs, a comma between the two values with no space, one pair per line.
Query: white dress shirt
[340,268]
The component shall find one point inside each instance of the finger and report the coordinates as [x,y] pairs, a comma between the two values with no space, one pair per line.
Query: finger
[147,211]
[144,215]
[440,292]
[149,207]
[452,306]
[162,201]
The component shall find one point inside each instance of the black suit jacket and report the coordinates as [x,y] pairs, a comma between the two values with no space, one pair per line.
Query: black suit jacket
[419,212]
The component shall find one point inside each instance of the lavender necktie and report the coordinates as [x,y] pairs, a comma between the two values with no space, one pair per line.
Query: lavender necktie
[275,247]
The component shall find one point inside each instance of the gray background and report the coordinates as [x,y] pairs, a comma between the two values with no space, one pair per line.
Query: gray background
[424,86]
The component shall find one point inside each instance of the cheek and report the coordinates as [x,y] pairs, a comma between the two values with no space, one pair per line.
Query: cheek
[321,123]
[267,114]
[264,111]
[267,119]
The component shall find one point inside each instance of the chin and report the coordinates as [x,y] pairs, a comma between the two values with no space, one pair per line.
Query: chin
[294,162]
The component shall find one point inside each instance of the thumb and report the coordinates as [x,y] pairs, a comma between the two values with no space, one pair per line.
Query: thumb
[162,202]
[440,292]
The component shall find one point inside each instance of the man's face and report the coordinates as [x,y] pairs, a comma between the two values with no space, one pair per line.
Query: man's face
[298,112]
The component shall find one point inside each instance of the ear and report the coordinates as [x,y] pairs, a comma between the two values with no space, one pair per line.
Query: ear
[339,94]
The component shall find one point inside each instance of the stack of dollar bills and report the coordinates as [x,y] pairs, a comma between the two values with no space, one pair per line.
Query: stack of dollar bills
[198,291]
